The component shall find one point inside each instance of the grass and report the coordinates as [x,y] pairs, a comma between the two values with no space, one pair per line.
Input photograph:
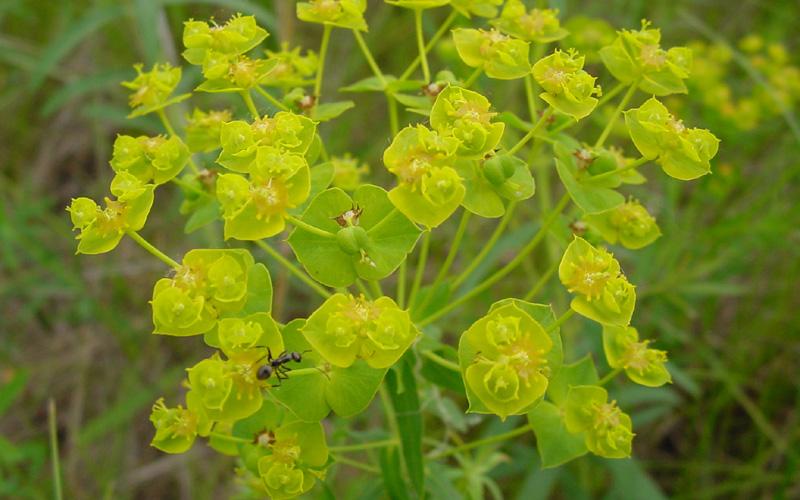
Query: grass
[718,291]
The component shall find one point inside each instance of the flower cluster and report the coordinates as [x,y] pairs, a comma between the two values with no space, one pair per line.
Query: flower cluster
[630,224]
[154,160]
[152,89]
[535,25]
[605,428]
[567,87]
[499,56]
[348,14]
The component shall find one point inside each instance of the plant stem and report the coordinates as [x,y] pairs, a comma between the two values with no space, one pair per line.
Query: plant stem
[532,132]
[152,249]
[376,288]
[323,50]
[272,100]
[481,442]
[431,43]
[308,227]
[251,106]
[423,54]
[441,361]
[232,439]
[363,446]
[473,77]
[531,96]
[355,464]
[54,456]
[541,282]
[630,166]
[617,111]
[388,411]
[420,271]
[561,320]
[185,185]
[171,131]
[368,56]
[394,123]
[611,94]
[609,377]
[487,247]
[497,276]
[363,289]
[401,283]
[293,269]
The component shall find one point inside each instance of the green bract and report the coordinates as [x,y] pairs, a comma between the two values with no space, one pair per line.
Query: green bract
[635,57]
[683,153]
[506,358]
[429,189]
[363,236]
[291,68]
[605,428]
[101,229]
[465,115]
[151,89]
[207,283]
[576,165]
[489,182]
[346,328]
[482,8]
[347,172]
[642,364]
[347,14]
[603,293]
[500,56]
[536,25]
[418,4]
[629,223]
[567,87]
[296,454]
[155,159]
[176,428]
[203,129]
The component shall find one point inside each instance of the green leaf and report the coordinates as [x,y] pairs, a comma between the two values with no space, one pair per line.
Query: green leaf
[259,290]
[402,389]
[440,375]
[590,199]
[352,389]
[390,470]
[330,110]
[556,445]
[582,372]
[205,214]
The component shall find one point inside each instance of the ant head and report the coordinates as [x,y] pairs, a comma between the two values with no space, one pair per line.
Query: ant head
[296,356]
[264,372]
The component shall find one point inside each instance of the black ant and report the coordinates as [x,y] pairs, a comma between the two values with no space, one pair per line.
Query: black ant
[278,365]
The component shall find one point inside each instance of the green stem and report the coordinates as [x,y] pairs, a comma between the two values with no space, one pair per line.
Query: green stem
[500,274]
[171,131]
[531,96]
[388,411]
[323,50]
[473,77]
[423,54]
[363,289]
[431,43]
[185,185]
[152,249]
[54,456]
[532,132]
[293,269]
[355,464]
[232,439]
[561,320]
[377,291]
[368,56]
[441,361]
[420,271]
[251,106]
[363,446]
[448,261]
[609,377]
[308,227]
[611,94]
[394,122]
[401,283]
[541,282]
[271,99]
[630,166]
[617,111]
[481,442]
[487,247]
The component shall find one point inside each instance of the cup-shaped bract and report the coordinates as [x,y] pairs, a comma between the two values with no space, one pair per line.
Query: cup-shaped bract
[500,56]
[464,114]
[481,8]
[203,129]
[362,236]
[504,361]
[346,328]
[286,131]
[101,229]
[228,390]
[637,57]
[176,428]
[606,429]
[429,189]
[683,153]
[152,89]
[296,456]
[259,330]
[603,294]
[150,159]
[642,364]
[292,69]
[630,224]
[535,25]
[348,14]
[207,283]
[568,88]
[203,42]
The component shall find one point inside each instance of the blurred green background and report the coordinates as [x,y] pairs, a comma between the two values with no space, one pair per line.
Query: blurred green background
[719,290]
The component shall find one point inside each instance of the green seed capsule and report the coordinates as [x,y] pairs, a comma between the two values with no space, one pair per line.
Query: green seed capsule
[352,239]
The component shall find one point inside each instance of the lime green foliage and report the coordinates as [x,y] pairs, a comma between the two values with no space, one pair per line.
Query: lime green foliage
[150,159]
[603,294]
[176,428]
[481,8]
[684,153]
[241,141]
[203,129]
[152,89]
[567,87]
[492,182]
[348,14]
[465,115]
[498,55]
[359,237]
[642,364]
[636,57]
[535,25]
[296,456]
[629,223]
[347,172]
[346,328]
[429,189]
[291,68]
[418,4]
[605,428]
